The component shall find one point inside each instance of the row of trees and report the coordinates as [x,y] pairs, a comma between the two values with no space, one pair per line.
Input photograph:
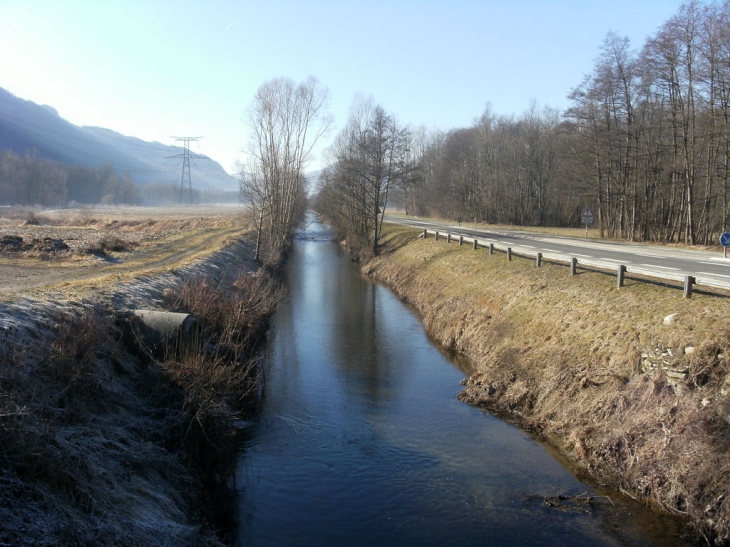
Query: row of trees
[500,170]
[30,180]
[645,142]
[652,129]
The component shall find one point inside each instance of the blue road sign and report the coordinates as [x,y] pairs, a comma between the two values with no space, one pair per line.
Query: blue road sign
[725,239]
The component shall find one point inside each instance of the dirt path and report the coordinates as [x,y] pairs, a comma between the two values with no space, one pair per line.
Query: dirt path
[75,248]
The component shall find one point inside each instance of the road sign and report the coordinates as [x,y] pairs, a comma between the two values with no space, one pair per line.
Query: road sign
[587,216]
[725,242]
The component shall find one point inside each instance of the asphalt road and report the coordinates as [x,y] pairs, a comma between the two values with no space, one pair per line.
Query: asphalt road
[709,267]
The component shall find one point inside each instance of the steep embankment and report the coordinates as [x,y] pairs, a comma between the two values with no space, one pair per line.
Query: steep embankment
[635,397]
[106,440]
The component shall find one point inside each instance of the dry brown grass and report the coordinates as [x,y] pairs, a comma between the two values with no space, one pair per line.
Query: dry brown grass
[218,370]
[563,355]
[100,447]
[118,229]
[73,249]
[217,373]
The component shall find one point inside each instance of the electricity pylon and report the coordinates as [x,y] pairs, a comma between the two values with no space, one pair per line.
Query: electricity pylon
[186,155]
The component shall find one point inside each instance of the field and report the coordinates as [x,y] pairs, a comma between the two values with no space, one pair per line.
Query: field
[69,249]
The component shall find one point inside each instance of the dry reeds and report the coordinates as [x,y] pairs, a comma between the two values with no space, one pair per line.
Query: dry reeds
[217,372]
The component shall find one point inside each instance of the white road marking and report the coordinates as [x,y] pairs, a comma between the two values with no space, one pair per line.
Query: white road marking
[584,256]
[662,267]
[714,274]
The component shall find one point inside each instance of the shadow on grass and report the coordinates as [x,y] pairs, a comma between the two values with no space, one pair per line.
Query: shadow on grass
[631,281]
[397,240]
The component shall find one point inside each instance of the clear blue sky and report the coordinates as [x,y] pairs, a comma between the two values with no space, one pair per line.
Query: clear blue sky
[156,68]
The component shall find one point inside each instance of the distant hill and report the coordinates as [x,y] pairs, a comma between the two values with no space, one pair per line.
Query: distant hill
[25,125]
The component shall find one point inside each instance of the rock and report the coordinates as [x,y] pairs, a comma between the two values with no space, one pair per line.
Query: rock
[670,319]
[689,350]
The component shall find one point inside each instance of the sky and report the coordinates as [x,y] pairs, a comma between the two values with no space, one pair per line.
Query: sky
[155,69]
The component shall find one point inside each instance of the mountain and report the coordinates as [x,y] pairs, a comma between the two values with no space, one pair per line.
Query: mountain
[25,126]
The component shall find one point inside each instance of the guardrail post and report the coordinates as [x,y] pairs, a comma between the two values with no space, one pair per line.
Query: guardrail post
[475,244]
[689,281]
[437,235]
[491,248]
[573,265]
[448,237]
[461,240]
[425,233]
[509,253]
[538,260]
[620,276]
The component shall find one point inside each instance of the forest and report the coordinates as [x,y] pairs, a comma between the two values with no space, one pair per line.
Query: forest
[645,143]
[31,180]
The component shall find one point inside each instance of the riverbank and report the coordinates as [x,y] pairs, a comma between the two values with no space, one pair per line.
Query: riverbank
[104,441]
[629,384]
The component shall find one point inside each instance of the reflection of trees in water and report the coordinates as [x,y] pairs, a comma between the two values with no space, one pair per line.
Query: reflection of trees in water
[356,337]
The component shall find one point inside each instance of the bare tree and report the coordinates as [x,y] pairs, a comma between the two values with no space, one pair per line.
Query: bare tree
[369,158]
[286,121]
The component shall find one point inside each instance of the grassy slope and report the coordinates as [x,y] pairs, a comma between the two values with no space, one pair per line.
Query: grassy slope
[563,356]
[100,446]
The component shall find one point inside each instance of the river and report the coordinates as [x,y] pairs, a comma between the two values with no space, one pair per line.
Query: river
[361,440]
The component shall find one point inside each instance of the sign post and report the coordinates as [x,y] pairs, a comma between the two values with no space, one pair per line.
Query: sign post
[586,218]
[725,242]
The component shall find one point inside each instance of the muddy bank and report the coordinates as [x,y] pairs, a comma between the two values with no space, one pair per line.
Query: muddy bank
[104,442]
[631,393]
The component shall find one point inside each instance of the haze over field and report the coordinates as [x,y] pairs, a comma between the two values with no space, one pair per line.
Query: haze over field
[156,69]
[26,126]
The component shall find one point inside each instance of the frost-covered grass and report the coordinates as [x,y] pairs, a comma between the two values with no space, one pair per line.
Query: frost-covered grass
[102,443]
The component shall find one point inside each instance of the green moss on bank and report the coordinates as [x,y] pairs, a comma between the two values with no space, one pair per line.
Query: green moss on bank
[571,359]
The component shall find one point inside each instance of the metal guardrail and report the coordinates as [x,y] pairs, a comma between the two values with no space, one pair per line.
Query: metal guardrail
[621,269]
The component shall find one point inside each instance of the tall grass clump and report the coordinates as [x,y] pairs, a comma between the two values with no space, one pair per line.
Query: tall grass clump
[216,372]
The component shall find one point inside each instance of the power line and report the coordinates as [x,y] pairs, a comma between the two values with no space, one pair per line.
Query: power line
[186,155]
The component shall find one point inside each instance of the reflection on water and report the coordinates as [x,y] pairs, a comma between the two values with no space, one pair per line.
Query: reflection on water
[363,442]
